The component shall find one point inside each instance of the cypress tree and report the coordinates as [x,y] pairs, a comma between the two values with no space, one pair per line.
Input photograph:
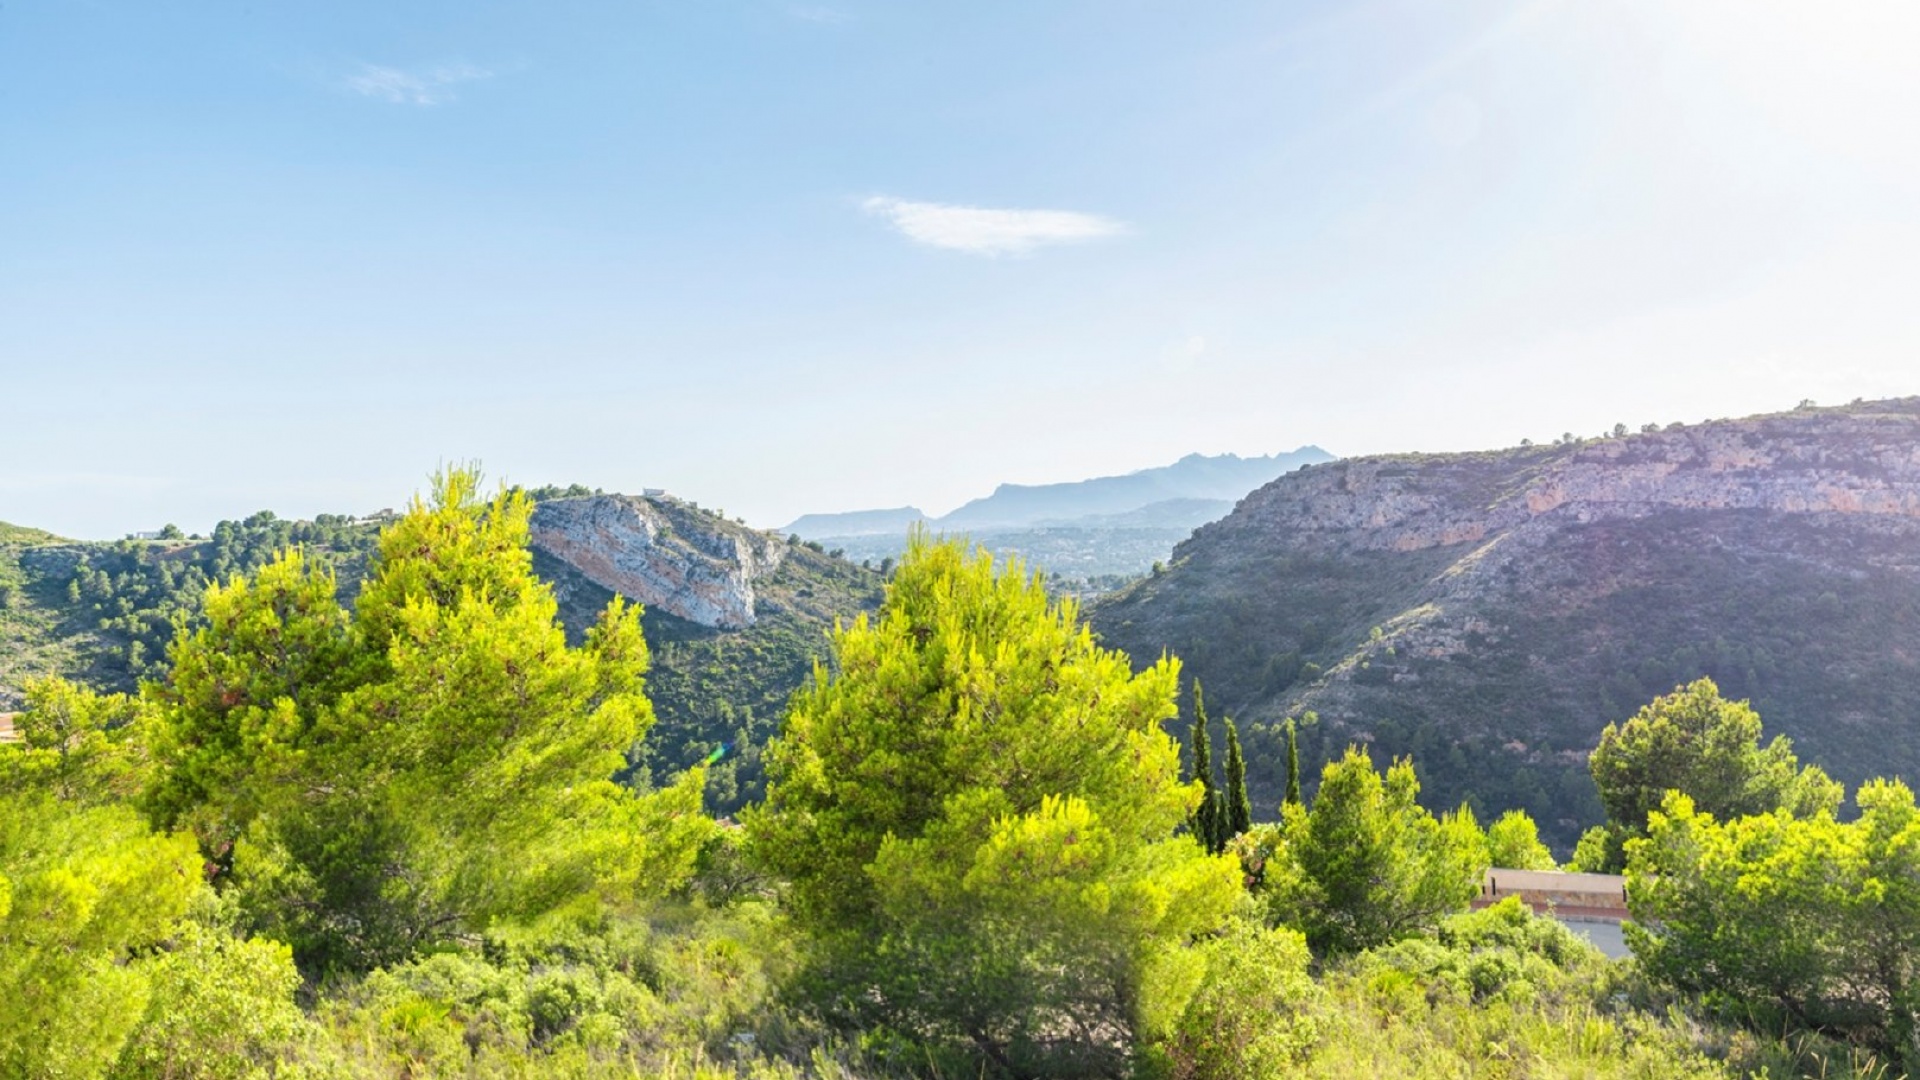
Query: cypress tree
[1206,817]
[1293,763]
[1239,811]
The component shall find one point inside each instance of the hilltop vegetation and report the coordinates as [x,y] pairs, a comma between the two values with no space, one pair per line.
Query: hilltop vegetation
[105,613]
[20,534]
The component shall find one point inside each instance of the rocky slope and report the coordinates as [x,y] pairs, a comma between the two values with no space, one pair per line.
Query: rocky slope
[1491,612]
[661,552]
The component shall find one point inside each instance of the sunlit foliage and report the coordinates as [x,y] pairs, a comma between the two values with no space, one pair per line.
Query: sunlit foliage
[976,810]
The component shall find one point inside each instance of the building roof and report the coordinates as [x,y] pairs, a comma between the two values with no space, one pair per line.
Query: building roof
[1559,881]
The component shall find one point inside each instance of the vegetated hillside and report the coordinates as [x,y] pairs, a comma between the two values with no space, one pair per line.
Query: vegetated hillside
[20,534]
[104,613]
[718,677]
[1090,534]
[1489,613]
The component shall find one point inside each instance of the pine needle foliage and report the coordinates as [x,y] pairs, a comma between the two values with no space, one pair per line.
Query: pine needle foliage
[1206,822]
[1239,808]
[355,777]
[976,810]
[1293,765]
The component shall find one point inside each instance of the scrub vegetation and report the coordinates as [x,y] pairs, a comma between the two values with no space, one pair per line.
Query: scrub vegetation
[391,827]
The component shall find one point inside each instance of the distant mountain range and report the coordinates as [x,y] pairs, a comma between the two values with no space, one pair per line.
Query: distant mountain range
[857,523]
[1489,613]
[1109,525]
[1225,478]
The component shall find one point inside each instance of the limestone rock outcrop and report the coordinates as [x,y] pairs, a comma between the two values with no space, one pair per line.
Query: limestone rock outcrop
[1811,463]
[662,553]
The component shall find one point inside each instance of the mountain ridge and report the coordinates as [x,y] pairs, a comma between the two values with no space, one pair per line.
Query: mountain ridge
[887,522]
[1489,612]
[22,534]
[1221,477]
[1092,533]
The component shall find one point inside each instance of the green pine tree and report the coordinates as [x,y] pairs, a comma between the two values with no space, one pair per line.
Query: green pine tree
[1010,894]
[1293,764]
[363,770]
[1206,824]
[1238,817]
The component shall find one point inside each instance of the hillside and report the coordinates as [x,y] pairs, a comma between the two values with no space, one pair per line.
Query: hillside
[18,534]
[735,617]
[1489,613]
[105,612]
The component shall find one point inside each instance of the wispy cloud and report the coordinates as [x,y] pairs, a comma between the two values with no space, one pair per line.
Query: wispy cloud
[424,86]
[982,231]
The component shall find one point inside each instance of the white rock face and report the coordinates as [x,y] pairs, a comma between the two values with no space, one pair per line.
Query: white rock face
[1812,464]
[661,553]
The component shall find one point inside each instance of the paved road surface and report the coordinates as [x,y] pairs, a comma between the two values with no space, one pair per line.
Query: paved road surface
[1605,935]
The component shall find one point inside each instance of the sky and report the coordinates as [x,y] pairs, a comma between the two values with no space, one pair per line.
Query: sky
[807,257]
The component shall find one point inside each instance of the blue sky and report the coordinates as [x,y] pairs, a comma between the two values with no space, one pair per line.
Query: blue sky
[820,256]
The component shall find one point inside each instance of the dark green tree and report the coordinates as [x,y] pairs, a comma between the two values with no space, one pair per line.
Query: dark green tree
[1697,742]
[1239,810]
[1206,822]
[1369,865]
[1293,764]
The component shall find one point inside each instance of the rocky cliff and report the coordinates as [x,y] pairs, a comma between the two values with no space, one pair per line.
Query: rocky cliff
[1840,462]
[662,553]
[1490,612]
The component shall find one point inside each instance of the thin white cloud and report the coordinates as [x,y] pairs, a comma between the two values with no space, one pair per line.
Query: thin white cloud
[426,86]
[981,231]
